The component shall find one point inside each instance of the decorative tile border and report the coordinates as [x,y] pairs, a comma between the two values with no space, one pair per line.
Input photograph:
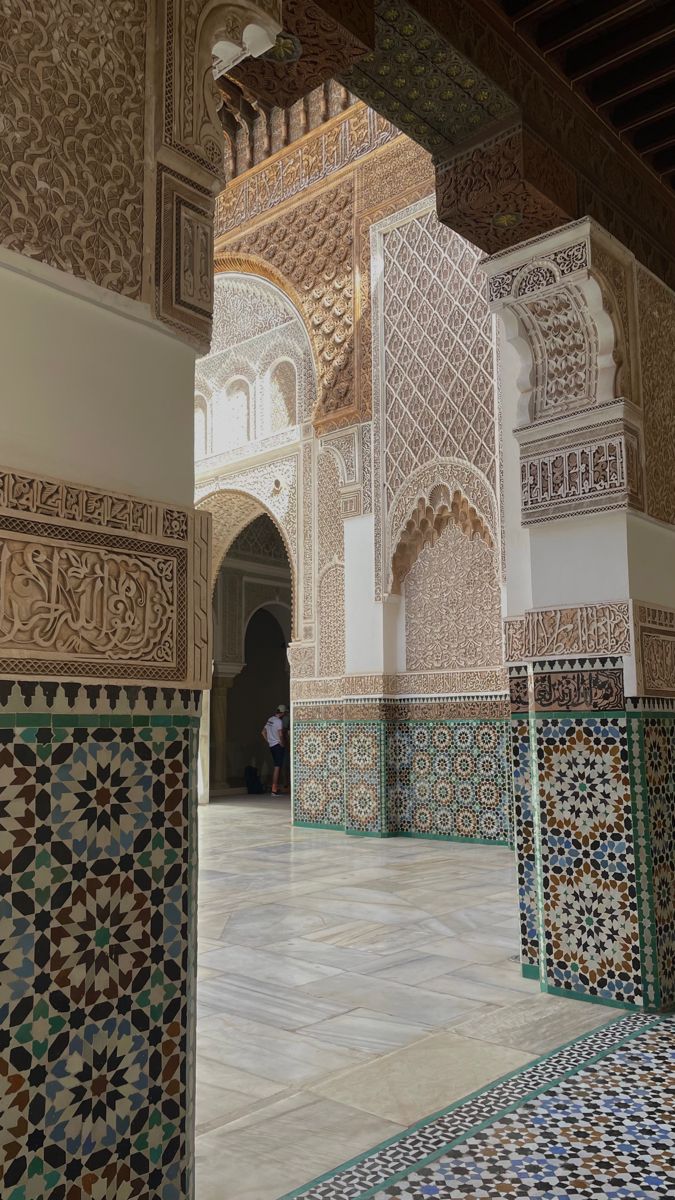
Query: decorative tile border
[364,1177]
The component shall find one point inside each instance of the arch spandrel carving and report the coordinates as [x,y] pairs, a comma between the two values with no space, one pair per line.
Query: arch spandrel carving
[428,520]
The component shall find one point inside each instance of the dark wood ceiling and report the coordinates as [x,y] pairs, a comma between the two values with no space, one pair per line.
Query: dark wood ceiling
[619,55]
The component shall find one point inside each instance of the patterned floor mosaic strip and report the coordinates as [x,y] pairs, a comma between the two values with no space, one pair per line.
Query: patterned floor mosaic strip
[595,1118]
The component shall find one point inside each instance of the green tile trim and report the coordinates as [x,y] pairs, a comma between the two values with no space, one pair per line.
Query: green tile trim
[588,999]
[643,862]
[529,971]
[316,825]
[370,833]
[352,1162]
[452,837]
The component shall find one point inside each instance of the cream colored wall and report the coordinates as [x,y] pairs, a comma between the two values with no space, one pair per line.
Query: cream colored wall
[364,648]
[99,394]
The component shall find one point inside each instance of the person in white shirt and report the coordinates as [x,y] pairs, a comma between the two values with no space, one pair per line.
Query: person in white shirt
[275,736]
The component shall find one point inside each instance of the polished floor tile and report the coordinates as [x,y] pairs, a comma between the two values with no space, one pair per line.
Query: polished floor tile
[348,986]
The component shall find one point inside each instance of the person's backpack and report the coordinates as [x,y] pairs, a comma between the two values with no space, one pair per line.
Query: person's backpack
[253,782]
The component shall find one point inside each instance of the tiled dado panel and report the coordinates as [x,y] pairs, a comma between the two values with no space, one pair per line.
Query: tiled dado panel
[595,832]
[318,749]
[652,735]
[449,778]
[97,799]
[386,775]
[523,819]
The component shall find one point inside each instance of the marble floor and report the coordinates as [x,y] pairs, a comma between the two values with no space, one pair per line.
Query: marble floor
[349,987]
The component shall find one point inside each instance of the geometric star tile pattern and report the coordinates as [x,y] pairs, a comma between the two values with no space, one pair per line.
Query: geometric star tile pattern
[94,911]
[449,778]
[591,917]
[440,778]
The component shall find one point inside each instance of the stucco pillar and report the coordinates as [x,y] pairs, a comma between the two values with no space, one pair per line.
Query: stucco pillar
[585,346]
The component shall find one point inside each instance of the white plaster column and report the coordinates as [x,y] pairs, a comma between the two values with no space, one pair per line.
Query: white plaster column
[203,765]
[374,631]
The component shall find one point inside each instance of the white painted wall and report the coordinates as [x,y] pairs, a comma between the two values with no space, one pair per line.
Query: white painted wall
[97,392]
[363,616]
[518,591]
[579,560]
[651,560]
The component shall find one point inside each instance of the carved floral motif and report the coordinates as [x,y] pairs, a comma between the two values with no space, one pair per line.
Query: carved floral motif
[71,150]
[452,605]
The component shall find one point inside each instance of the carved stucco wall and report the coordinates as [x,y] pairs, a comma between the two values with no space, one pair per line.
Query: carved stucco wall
[260,362]
[315,232]
[453,606]
[314,252]
[437,351]
[656,306]
[331,572]
[434,406]
[73,119]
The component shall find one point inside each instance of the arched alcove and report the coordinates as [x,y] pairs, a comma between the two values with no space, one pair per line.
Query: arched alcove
[260,370]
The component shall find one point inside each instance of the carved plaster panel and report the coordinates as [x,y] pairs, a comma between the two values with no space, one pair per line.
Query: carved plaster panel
[273,485]
[655,650]
[101,586]
[346,448]
[589,629]
[603,471]
[432,373]
[71,151]
[426,525]
[311,245]
[656,307]
[302,659]
[567,307]
[333,146]
[453,606]
[330,602]
[420,683]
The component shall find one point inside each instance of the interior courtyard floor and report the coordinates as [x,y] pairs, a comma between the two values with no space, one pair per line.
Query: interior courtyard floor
[349,987]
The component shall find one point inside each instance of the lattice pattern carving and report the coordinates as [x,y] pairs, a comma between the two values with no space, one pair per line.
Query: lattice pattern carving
[437,351]
[429,519]
[260,539]
[330,553]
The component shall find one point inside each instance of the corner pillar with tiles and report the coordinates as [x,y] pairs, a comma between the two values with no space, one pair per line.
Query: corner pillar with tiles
[585,354]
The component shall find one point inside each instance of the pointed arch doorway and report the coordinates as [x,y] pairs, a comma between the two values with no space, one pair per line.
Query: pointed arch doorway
[253,624]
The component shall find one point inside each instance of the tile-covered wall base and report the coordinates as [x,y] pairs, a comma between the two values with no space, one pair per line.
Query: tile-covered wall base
[97,791]
[594,788]
[417,768]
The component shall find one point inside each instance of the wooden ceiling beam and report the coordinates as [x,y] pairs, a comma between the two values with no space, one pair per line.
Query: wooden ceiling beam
[636,39]
[628,118]
[596,23]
